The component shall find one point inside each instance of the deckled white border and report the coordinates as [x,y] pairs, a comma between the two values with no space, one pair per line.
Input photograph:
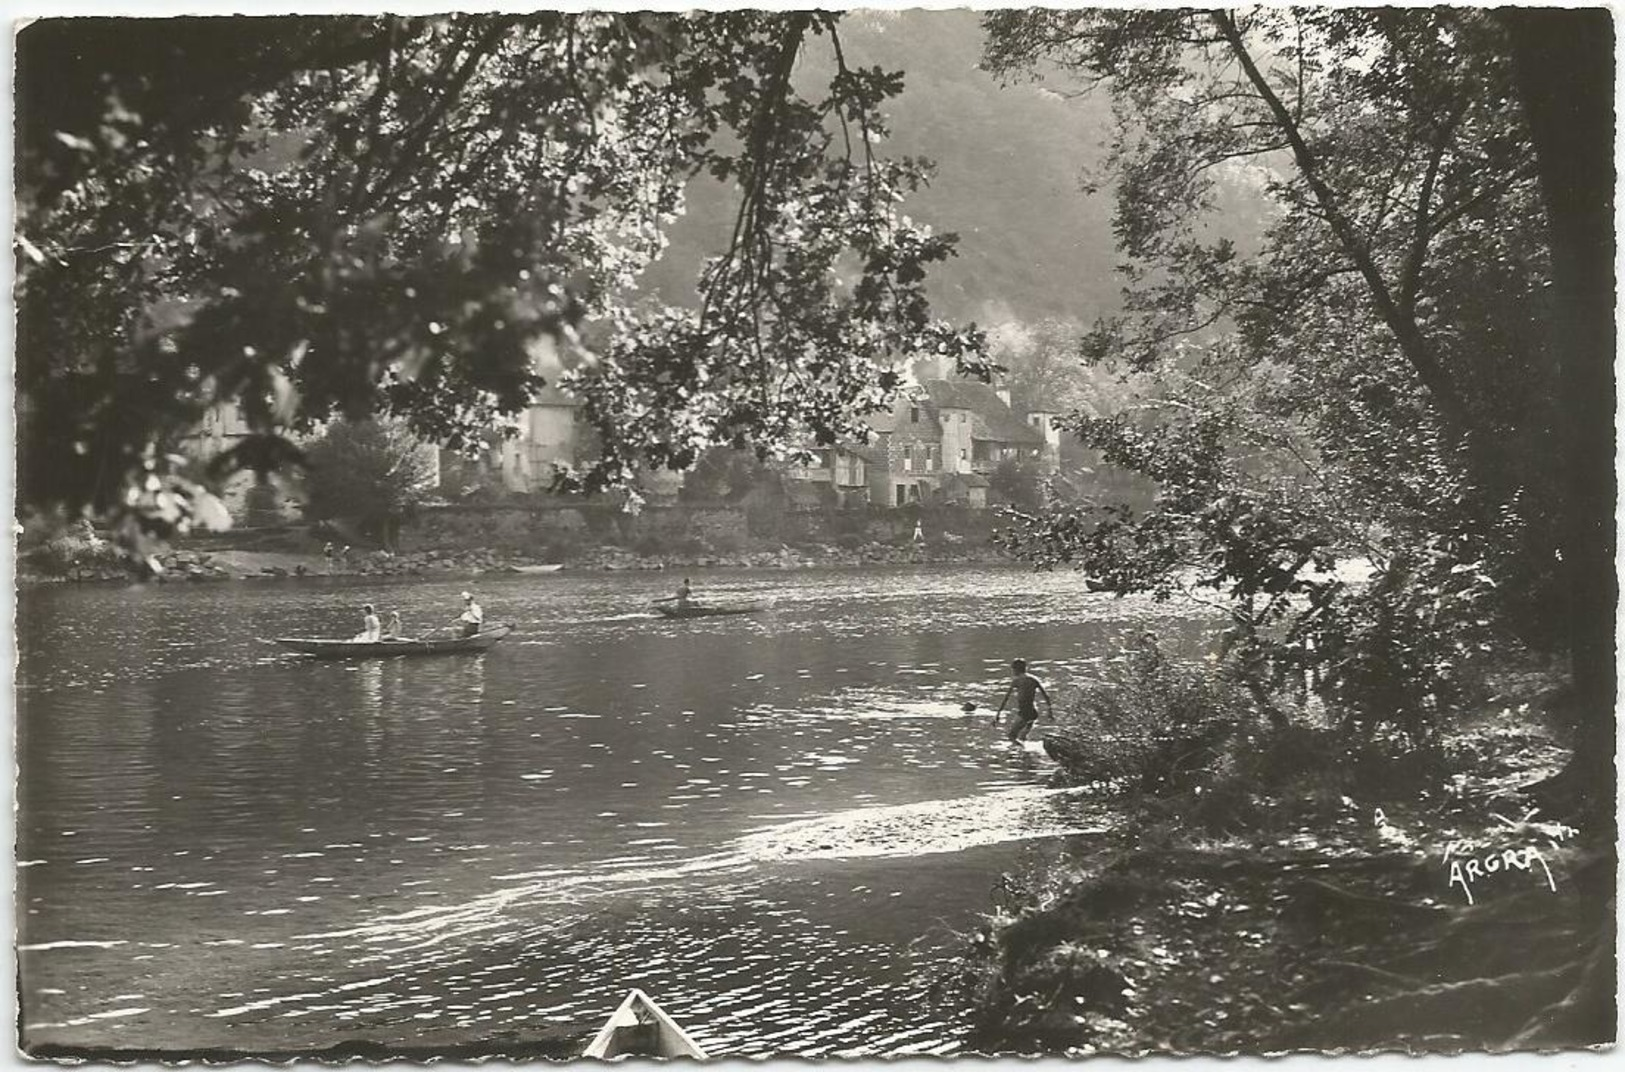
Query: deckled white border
[20,10]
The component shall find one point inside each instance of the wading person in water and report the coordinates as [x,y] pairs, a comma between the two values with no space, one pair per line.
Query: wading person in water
[1025,687]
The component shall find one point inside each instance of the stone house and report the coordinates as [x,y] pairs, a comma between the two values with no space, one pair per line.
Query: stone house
[940,442]
[250,498]
[550,432]
[836,476]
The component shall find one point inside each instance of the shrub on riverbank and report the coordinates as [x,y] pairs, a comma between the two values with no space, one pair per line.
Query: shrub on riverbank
[1149,726]
[1268,887]
[77,553]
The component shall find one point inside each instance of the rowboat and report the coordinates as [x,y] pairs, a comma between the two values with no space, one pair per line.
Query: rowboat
[1069,750]
[387,649]
[640,1028]
[699,610]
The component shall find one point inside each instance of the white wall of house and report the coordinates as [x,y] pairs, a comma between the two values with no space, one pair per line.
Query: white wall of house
[850,471]
[957,448]
[222,426]
[547,436]
[1049,458]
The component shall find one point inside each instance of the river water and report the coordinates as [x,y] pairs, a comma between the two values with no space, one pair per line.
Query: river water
[773,823]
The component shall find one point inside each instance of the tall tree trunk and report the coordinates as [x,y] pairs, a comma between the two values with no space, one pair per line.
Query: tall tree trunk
[1564,61]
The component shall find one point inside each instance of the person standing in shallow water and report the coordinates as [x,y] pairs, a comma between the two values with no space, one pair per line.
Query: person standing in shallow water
[1026,688]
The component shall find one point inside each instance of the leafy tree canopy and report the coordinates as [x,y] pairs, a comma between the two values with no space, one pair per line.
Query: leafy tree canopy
[1375,371]
[427,218]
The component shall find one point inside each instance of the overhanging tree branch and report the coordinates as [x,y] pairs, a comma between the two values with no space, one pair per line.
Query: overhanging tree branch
[1412,343]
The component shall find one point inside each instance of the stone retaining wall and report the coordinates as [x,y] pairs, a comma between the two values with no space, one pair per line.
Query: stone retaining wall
[547,530]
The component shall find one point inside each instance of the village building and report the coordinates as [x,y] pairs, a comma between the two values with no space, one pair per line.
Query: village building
[550,433]
[250,498]
[834,476]
[938,444]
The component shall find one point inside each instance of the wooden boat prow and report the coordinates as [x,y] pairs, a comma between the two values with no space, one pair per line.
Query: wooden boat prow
[640,1028]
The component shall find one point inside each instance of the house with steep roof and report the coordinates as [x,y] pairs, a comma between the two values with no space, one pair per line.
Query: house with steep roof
[938,444]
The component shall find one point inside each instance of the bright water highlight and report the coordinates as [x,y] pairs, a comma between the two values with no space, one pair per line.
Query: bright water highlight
[773,823]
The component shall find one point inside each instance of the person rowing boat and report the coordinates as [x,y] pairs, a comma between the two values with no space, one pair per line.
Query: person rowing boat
[472,617]
[683,597]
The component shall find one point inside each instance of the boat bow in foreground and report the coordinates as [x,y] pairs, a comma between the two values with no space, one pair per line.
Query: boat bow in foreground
[640,1028]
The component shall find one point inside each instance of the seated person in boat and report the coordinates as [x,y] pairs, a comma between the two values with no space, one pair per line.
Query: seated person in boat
[371,631]
[472,617]
[684,590]
[393,631]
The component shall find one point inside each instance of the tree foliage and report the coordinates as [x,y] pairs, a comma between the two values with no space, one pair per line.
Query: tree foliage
[371,472]
[1042,365]
[423,217]
[725,473]
[1017,482]
[1373,371]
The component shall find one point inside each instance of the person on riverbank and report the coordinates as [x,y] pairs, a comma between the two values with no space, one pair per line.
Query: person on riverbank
[371,631]
[472,618]
[1025,687]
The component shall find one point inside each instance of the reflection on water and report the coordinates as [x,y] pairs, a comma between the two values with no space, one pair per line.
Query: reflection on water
[771,822]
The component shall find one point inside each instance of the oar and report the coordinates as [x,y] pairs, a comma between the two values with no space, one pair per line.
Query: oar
[439,628]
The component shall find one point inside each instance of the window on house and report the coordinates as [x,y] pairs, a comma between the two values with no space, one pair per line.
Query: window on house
[914,415]
[962,416]
[908,458]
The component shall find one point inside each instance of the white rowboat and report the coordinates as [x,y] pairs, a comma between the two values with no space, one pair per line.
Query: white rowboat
[640,1028]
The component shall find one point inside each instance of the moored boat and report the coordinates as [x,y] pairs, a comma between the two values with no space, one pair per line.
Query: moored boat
[703,610]
[551,567]
[640,1028]
[388,649]
[1067,749]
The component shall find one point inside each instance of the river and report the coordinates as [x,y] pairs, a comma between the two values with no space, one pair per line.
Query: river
[773,823]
